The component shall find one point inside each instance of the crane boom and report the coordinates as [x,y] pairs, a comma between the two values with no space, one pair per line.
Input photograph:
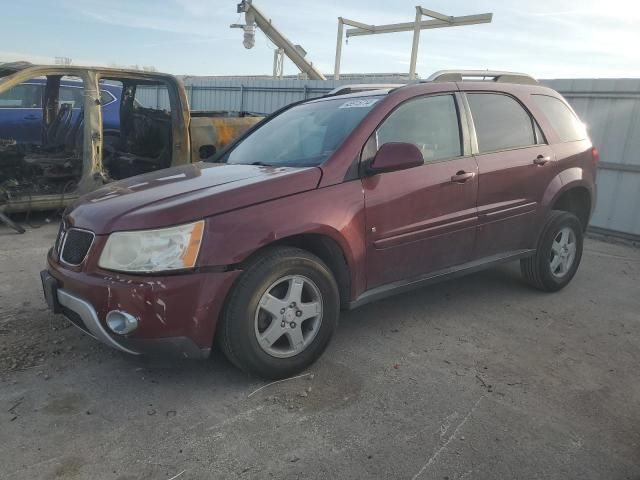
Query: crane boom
[253,16]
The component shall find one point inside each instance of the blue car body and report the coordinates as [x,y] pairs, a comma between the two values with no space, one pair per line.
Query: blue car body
[21,108]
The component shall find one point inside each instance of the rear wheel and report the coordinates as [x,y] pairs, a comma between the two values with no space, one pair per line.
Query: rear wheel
[558,254]
[281,313]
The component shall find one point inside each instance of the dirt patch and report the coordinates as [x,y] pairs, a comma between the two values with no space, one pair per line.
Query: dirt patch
[44,342]
[68,468]
[333,386]
[65,404]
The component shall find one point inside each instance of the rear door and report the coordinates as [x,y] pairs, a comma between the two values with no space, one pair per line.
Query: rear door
[422,219]
[514,165]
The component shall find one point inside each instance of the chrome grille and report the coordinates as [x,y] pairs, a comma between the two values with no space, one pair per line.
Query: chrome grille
[59,237]
[75,246]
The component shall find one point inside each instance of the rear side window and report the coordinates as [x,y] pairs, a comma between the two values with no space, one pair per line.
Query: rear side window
[500,122]
[430,123]
[561,118]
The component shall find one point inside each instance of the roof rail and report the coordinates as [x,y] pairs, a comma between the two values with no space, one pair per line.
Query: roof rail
[492,75]
[363,87]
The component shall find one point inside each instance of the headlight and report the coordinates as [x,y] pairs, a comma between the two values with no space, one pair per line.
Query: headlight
[173,248]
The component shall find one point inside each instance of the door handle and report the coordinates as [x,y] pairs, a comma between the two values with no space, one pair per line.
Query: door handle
[462,176]
[541,160]
[31,117]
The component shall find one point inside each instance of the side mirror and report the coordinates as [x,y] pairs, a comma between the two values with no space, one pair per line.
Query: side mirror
[396,156]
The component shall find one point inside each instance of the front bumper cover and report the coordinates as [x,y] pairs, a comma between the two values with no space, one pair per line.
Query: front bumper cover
[89,318]
[82,314]
[177,314]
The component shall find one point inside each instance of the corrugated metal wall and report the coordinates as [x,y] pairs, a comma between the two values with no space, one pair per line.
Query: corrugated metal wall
[250,95]
[611,110]
[609,107]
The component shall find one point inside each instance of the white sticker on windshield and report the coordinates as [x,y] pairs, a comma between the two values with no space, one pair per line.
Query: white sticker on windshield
[361,103]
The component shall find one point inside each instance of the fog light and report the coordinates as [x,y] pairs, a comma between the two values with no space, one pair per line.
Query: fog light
[121,323]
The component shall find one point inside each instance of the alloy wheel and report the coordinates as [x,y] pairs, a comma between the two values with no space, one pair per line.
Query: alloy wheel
[563,252]
[288,316]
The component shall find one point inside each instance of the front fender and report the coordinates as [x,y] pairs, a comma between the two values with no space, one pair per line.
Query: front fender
[336,212]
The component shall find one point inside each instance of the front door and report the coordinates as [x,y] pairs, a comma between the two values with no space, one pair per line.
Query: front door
[422,219]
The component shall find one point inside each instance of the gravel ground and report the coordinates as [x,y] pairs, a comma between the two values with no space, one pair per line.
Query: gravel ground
[477,378]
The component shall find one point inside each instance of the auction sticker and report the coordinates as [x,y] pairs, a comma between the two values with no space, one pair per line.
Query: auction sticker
[361,103]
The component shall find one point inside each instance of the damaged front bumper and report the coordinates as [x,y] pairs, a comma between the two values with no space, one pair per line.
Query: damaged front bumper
[177,315]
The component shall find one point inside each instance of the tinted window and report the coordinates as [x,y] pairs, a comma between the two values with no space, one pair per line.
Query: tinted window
[72,95]
[22,96]
[562,119]
[304,135]
[430,123]
[500,121]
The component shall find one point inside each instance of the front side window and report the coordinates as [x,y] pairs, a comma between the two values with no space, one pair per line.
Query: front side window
[25,95]
[500,122]
[302,136]
[562,119]
[430,123]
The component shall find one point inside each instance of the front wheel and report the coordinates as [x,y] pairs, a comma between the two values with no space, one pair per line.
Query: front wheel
[281,313]
[558,254]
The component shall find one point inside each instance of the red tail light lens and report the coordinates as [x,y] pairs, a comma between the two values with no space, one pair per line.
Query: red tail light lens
[595,154]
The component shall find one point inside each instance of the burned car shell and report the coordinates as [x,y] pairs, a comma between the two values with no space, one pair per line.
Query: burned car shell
[215,130]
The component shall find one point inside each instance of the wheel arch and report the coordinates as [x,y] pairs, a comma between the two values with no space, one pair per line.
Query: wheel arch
[575,198]
[570,191]
[324,247]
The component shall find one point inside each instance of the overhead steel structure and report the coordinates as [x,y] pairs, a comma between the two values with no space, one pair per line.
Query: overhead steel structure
[255,18]
[438,20]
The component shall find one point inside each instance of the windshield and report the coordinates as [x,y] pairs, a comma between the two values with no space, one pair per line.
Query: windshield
[302,136]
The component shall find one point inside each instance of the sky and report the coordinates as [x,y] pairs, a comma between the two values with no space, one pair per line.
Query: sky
[545,38]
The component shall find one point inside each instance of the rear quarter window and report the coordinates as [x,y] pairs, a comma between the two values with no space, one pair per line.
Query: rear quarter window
[568,127]
[106,98]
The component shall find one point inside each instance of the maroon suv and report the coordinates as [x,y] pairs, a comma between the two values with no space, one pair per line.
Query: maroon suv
[326,205]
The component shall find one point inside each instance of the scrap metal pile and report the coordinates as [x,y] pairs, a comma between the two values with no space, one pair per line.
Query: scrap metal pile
[27,171]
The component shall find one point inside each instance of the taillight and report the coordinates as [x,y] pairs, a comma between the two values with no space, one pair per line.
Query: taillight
[595,155]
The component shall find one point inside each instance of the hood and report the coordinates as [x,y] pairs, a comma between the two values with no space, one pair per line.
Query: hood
[182,194]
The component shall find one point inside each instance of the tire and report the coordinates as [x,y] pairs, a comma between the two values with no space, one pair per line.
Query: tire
[248,325]
[548,270]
